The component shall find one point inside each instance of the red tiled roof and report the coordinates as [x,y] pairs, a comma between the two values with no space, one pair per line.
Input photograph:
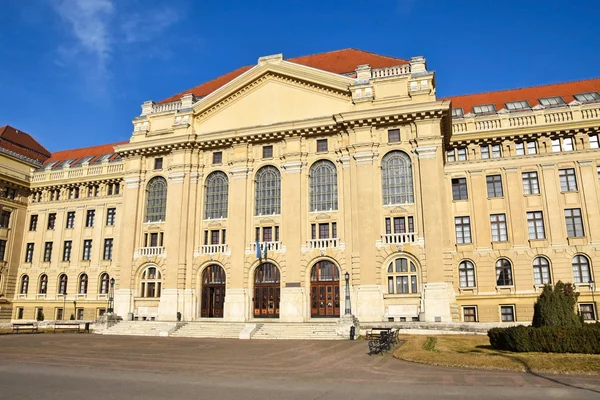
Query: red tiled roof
[339,62]
[77,154]
[566,90]
[22,143]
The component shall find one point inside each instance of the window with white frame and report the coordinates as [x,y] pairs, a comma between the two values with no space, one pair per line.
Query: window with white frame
[156,199]
[457,113]
[507,313]
[323,186]
[450,155]
[402,277]
[267,191]
[104,282]
[523,148]
[554,101]
[217,196]
[556,147]
[43,286]
[24,287]
[504,272]
[461,153]
[588,97]
[574,222]
[541,271]
[399,225]
[517,105]
[151,282]
[459,189]
[594,141]
[535,225]
[530,183]
[568,180]
[462,226]
[587,311]
[396,178]
[581,269]
[568,144]
[466,273]
[82,286]
[484,109]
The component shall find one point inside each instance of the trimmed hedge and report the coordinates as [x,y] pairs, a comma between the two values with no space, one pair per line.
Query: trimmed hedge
[547,339]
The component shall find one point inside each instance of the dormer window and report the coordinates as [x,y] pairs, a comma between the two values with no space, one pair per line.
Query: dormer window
[588,97]
[517,105]
[484,109]
[83,160]
[66,162]
[457,113]
[555,101]
[103,157]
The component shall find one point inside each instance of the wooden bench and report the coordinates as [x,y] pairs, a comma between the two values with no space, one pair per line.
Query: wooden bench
[20,326]
[385,342]
[68,326]
[375,333]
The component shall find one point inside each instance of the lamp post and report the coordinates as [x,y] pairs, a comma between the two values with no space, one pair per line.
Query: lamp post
[75,308]
[111,296]
[348,308]
[593,289]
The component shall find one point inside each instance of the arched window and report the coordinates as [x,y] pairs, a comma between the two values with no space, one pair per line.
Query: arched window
[402,277]
[396,178]
[151,282]
[266,273]
[62,284]
[104,282]
[466,272]
[324,271]
[268,191]
[581,269]
[323,186]
[156,199]
[83,284]
[213,275]
[43,284]
[217,191]
[541,271]
[24,284]
[503,272]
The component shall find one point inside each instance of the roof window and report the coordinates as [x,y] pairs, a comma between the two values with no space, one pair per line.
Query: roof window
[517,105]
[457,113]
[66,162]
[103,157]
[587,97]
[50,164]
[484,109]
[553,101]
[83,160]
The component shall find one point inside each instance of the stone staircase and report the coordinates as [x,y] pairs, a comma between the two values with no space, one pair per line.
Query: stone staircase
[210,329]
[142,328]
[298,331]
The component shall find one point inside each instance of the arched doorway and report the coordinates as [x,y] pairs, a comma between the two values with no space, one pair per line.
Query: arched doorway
[266,291]
[213,292]
[324,290]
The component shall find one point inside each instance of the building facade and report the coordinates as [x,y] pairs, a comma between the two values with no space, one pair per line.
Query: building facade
[256,194]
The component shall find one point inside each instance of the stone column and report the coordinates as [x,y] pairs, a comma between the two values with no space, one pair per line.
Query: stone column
[589,176]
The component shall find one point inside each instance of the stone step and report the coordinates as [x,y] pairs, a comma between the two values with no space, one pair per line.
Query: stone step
[297,331]
[210,330]
[144,328]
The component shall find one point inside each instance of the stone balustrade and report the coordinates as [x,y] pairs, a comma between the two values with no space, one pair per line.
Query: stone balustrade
[85,170]
[213,249]
[390,71]
[323,243]
[399,238]
[155,251]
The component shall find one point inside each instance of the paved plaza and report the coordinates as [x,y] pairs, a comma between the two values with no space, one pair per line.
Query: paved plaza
[70,366]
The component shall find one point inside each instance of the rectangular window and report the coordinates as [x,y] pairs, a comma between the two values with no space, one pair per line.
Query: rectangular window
[463,229]
[47,251]
[508,313]
[496,151]
[267,234]
[323,231]
[459,189]
[67,247]
[74,193]
[257,234]
[587,97]
[313,231]
[51,221]
[110,189]
[87,250]
[154,239]
[393,135]
[485,151]
[33,223]
[520,148]
[484,109]
[214,237]
[457,113]
[531,148]
[70,219]
[111,213]
[568,144]
[108,249]
[158,163]
[470,314]
[334,230]
[568,181]
[59,314]
[205,238]
[535,225]
[517,105]
[80,314]
[556,147]
[494,186]
[224,235]
[399,225]
[450,156]
[574,222]
[20,312]
[321,145]
[89,218]
[498,223]
[29,253]
[588,312]
[594,144]
[217,157]
[2,249]
[462,153]
[93,191]
[267,152]
[411,224]
[552,101]
[530,183]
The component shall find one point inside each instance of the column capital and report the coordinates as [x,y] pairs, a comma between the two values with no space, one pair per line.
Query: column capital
[425,152]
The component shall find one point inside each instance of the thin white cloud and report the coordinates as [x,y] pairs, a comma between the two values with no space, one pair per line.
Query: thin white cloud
[143,26]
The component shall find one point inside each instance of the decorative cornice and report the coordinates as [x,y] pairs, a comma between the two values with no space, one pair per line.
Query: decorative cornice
[426,152]
[240,172]
[133,183]
[176,177]
[293,167]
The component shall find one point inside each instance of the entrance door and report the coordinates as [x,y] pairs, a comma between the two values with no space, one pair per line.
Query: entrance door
[213,292]
[266,291]
[324,290]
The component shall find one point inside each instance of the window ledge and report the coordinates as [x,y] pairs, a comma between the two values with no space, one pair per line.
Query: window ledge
[471,290]
[538,242]
[464,246]
[402,296]
[501,245]
[505,289]
[577,240]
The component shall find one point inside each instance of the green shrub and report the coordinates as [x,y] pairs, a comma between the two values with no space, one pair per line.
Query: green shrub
[547,339]
[556,307]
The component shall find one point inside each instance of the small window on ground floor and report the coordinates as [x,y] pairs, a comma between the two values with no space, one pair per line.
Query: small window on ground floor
[470,314]
[588,311]
[79,314]
[508,313]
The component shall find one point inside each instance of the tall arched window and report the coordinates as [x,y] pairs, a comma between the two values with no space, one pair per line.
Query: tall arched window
[24,284]
[323,186]
[581,269]
[268,191]
[402,277]
[43,289]
[151,282]
[62,284]
[217,191]
[156,199]
[466,272]
[503,272]
[104,282]
[396,178]
[83,284]
[541,271]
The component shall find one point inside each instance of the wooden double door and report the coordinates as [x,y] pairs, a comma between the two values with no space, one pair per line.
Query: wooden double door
[324,290]
[213,292]
[267,291]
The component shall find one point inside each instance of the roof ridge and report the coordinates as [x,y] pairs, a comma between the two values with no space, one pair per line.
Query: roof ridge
[519,88]
[350,48]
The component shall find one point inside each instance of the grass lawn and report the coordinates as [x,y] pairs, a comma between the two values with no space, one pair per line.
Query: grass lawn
[474,351]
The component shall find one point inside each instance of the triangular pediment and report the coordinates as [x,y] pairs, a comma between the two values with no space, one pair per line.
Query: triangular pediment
[273,93]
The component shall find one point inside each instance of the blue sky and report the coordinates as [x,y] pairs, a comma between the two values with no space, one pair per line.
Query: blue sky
[74,73]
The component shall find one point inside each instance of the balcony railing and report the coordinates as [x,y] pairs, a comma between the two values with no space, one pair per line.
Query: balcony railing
[150,252]
[399,238]
[213,249]
[323,243]
[85,170]
[271,246]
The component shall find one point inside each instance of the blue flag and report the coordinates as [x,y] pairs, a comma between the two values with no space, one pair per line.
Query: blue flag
[258,249]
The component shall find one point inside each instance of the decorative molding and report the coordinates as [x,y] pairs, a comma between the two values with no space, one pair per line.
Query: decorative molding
[344,160]
[240,172]
[585,163]
[426,152]
[365,157]
[511,169]
[176,177]
[133,183]
[293,167]
[548,166]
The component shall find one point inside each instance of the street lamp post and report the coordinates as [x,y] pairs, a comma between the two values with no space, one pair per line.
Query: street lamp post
[111,296]
[75,308]
[593,289]
[348,307]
